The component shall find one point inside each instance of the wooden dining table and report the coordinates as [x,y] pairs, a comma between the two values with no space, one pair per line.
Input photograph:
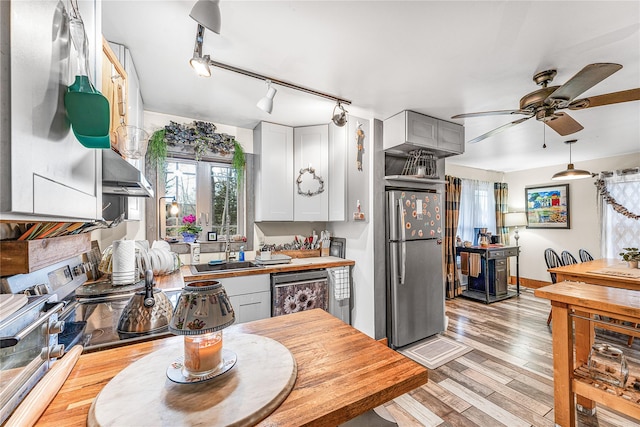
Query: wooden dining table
[341,372]
[606,272]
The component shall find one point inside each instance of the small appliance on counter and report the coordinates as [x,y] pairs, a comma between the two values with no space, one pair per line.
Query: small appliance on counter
[147,311]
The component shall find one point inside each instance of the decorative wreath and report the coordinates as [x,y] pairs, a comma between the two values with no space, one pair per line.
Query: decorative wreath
[310,193]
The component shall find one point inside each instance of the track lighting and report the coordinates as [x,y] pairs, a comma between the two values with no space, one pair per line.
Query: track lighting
[207,14]
[201,66]
[199,63]
[340,118]
[571,173]
[266,103]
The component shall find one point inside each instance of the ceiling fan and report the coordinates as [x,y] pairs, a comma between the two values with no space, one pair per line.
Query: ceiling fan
[543,104]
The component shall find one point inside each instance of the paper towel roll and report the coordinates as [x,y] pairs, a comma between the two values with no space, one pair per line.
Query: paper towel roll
[124,262]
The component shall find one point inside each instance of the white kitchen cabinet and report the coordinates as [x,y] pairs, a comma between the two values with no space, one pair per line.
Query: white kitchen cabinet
[250,296]
[311,151]
[274,175]
[337,185]
[450,137]
[409,130]
[45,172]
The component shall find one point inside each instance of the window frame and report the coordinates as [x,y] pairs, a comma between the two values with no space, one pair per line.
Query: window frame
[204,198]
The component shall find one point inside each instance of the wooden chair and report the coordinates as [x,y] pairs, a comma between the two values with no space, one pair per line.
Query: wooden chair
[552,259]
[584,255]
[567,258]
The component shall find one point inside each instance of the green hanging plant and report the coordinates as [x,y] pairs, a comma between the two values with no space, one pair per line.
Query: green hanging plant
[157,149]
[238,162]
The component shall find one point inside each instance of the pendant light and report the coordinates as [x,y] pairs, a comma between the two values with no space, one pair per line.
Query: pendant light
[571,173]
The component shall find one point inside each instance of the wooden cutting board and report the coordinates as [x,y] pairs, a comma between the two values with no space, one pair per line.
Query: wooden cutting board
[142,395]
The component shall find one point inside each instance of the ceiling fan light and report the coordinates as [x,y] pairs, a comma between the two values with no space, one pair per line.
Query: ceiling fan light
[201,66]
[207,14]
[571,174]
[266,103]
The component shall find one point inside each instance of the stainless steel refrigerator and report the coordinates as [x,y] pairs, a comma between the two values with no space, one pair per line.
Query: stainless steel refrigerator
[415,282]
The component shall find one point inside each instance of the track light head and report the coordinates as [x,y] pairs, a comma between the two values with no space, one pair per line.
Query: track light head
[339,118]
[201,65]
[266,103]
[207,13]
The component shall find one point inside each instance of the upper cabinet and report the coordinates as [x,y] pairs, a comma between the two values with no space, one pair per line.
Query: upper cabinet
[273,146]
[45,171]
[311,166]
[300,172]
[409,130]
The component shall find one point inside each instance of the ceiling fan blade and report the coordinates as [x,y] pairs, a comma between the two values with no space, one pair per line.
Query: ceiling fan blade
[492,113]
[497,130]
[606,99]
[564,124]
[586,78]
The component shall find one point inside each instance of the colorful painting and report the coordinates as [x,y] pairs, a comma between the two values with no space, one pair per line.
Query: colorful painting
[547,206]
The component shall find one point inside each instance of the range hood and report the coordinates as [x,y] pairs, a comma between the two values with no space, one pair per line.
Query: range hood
[122,178]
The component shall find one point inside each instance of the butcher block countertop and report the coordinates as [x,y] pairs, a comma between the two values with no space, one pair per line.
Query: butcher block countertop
[342,372]
[177,279]
[296,264]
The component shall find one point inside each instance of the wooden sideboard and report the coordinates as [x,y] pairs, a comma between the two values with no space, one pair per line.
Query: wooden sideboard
[491,283]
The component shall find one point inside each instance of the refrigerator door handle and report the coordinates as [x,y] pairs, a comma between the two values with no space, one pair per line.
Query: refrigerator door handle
[403,245]
[403,261]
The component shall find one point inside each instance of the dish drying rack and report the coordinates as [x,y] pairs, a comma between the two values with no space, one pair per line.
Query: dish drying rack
[421,164]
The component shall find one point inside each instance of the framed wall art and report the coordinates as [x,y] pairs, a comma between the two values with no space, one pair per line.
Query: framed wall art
[212,236]
[548,206]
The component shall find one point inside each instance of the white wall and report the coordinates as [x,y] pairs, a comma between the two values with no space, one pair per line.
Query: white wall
[359,240]
[471,173]
[585,227]
[583,211]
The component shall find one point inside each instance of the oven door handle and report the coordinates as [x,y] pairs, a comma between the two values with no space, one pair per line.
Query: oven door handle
[14,340]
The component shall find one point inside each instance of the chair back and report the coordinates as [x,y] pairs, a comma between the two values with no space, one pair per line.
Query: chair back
[552,259]
[567,258]
[584,255]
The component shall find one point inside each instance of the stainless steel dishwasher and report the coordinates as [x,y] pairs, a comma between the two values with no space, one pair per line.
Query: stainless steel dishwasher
[298,291]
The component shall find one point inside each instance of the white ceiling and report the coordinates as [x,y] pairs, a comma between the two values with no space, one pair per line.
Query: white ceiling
[439,58]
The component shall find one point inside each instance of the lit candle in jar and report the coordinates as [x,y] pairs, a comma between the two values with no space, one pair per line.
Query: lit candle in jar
[202,353]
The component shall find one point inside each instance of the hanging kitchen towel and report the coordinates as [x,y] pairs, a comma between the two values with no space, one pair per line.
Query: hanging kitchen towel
[464,263]
[474,265]
[339,281]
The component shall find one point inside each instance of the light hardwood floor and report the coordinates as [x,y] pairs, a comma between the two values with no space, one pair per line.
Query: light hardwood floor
[508,377]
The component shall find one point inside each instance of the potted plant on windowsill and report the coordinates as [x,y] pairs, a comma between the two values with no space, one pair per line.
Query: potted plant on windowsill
[189,229]
[631,255]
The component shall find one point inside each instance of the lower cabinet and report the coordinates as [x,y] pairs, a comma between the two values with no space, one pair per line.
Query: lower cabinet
[250,296]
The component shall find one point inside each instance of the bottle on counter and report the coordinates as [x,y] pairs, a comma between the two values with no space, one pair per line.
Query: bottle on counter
[241,254]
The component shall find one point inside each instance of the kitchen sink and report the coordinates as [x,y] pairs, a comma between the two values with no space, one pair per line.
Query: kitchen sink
[223,266]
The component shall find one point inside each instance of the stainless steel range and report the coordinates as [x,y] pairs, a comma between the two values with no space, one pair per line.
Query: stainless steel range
[99,306]
[59,312]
